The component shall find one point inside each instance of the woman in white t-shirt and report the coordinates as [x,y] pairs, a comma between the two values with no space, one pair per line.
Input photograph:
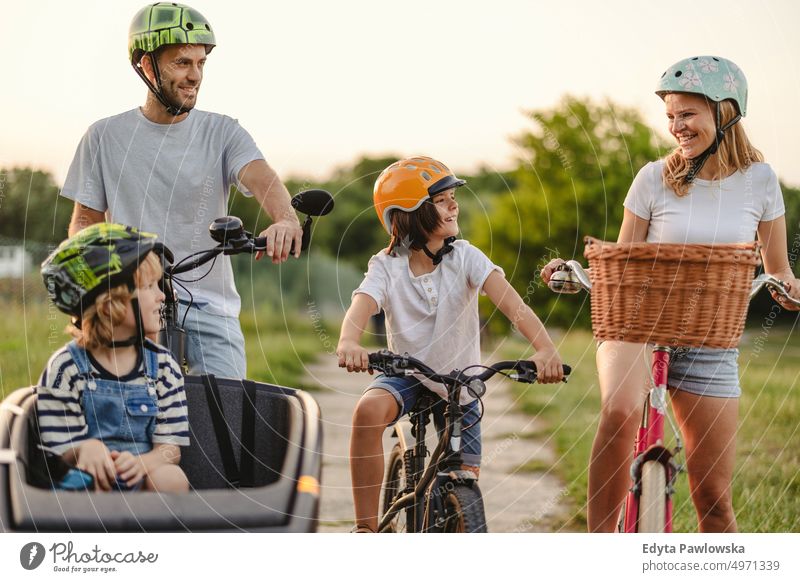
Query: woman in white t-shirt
[713,188]
[427,282]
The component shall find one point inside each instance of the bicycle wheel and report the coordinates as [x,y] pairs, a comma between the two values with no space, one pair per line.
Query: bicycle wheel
[653,499]
[393,484]
[463,510]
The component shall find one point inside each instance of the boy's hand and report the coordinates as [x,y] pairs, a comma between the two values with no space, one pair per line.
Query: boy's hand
[353,357]
[94,458]
[549,366]
[549,269]
[128,466]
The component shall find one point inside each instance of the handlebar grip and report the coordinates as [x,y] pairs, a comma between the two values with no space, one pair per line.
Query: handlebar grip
[260,244]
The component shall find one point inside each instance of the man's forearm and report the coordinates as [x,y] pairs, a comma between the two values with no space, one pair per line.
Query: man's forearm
[83,216]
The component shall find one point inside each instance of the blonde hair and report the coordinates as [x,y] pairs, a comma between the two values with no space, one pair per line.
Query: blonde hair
[735,153]
[110,307]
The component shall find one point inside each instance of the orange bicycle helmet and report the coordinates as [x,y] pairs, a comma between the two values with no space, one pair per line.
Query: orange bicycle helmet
[409,182]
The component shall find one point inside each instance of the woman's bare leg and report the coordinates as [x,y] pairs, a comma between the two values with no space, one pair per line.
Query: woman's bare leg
[624,381]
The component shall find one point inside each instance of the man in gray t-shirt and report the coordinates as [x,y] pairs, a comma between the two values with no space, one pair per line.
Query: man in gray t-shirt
[167,168]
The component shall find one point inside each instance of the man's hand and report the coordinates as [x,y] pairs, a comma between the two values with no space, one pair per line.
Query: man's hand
[94,458]
[280,237]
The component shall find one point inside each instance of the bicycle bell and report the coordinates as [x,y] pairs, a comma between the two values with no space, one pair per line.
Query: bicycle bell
[226,229]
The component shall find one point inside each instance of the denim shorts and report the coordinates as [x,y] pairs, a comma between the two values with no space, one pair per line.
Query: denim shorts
[214,343]
[706,371]
[406,390]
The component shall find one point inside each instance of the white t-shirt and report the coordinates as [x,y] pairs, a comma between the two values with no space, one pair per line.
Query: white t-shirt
[719,211]
[433,317]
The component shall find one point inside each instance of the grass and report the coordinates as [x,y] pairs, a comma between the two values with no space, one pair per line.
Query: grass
[278,343]
[766,486]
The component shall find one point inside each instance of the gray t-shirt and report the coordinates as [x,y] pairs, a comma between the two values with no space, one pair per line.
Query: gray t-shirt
[719,211]
[172,180]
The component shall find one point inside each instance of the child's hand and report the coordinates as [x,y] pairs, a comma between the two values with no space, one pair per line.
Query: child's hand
[550,268]
[549,366]
[128,466]
[353,357]
[94,458]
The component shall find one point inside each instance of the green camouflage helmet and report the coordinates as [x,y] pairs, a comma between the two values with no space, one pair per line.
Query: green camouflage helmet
[164,23]
[96,259]
[713,77]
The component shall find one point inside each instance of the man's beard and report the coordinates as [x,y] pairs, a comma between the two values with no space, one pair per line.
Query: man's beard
[173,97]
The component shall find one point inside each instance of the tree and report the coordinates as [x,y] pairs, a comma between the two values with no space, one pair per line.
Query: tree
[31,209]
[579,161]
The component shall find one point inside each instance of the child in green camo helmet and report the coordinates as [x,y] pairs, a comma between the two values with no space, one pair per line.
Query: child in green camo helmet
[111,401]
[714,187]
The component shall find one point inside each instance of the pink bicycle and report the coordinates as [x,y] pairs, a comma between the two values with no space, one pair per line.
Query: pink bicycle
[648,506]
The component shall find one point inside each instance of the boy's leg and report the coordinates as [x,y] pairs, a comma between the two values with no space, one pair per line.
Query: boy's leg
[166,479]
[377,408]
[214,344]
[373,413]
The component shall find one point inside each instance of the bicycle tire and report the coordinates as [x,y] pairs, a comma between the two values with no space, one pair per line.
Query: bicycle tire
[653,498]
[463,510]
[394,483]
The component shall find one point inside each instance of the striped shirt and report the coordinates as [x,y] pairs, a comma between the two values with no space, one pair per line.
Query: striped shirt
[61,415]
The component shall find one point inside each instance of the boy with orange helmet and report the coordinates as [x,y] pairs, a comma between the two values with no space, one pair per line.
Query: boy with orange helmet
[427,282]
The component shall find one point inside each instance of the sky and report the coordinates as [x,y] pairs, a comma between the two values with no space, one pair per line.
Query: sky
[318,83]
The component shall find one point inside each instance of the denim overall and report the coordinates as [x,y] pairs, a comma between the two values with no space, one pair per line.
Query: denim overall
[121,414]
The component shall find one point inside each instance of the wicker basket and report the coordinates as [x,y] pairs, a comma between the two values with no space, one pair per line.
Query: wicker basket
[671,294]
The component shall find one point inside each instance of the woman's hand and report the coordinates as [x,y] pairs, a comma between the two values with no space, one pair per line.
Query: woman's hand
[549,367]
[550,268]
[95,458]
[792,286]
[352,356]
[129,467]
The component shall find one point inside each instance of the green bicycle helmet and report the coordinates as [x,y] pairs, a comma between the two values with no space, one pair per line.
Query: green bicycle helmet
[96,259]
[714,78]
[161,24]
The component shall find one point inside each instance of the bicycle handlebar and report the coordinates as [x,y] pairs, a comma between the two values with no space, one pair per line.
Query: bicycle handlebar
[571,277]
[393,364]
[233,239]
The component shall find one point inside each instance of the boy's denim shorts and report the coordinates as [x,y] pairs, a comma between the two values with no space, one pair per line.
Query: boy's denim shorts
[706,372]
[406,390]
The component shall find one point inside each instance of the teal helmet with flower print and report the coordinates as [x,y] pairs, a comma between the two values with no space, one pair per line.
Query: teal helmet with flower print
[716,78]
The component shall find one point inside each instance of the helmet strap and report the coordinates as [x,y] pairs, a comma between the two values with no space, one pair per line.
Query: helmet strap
[439,255]
[699,161]
[137,339]
[156,88]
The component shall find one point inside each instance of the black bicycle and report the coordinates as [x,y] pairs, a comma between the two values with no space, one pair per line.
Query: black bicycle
[440,497]
[232,239]
[255,458]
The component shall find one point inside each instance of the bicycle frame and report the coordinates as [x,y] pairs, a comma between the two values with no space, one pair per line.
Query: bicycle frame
[420,499]
[649,444]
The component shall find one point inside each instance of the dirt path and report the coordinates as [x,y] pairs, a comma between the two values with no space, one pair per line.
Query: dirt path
[515,500]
